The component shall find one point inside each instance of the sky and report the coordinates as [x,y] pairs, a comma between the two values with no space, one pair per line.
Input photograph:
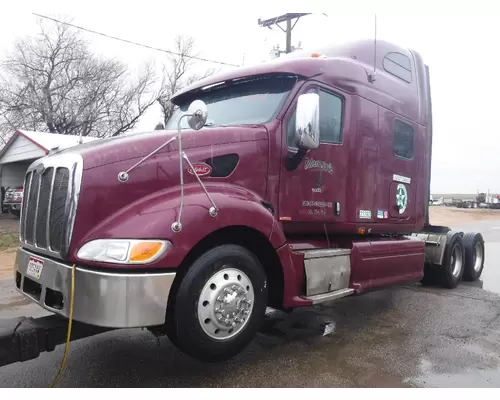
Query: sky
[457,39]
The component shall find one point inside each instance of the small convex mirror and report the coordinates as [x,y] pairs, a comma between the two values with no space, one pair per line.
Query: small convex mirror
[198,115]
[307,121]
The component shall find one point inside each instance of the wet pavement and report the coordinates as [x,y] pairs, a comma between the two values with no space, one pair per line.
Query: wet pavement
[399,337]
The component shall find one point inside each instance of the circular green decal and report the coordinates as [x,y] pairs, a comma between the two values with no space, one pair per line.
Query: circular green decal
[401,198]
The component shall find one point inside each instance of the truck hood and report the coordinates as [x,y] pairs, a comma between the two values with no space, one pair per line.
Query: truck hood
[138,145]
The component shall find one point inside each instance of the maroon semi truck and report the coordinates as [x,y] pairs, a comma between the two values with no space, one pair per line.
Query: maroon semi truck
[286,184]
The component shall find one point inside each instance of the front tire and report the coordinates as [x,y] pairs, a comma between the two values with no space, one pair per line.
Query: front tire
[219,305]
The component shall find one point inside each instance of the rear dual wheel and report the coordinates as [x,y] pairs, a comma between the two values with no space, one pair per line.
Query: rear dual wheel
[474,256]
[463,260]
[453,261]
[219,305]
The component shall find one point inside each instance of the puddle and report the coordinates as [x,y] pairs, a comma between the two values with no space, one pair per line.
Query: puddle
[491,272]
[477,377]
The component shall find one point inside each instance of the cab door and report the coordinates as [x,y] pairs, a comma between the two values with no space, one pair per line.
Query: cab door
[315,189]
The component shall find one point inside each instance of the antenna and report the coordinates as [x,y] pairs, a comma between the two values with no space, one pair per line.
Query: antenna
[375,47]
[371,77]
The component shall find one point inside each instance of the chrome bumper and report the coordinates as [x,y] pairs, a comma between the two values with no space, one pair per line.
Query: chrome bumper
[112,300]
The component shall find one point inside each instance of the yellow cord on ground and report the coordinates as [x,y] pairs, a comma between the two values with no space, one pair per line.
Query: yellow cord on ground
[70,323]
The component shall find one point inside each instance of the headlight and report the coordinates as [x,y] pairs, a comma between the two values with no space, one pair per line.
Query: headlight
[123,251]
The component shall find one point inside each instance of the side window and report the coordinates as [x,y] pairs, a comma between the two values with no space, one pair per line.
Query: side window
[290,130]
[402,142]
[399,65]
[330,119]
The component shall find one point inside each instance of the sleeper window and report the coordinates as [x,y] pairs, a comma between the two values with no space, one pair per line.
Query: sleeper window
[402,144]
[398,65]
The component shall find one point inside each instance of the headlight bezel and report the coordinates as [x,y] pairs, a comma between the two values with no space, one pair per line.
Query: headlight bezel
[97,250]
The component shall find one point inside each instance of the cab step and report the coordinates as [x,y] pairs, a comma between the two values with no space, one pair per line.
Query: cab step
[325,297]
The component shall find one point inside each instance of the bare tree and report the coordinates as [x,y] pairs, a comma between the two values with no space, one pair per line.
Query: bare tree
[178,73]
[53,82]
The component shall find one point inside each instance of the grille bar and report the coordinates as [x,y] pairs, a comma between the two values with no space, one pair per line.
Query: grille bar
[44,198]
[31,208]
[27,187]
[57,209]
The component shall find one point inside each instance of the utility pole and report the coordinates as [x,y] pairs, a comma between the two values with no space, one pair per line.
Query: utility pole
[289,27]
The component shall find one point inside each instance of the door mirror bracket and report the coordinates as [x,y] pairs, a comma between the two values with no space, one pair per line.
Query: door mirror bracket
[293,159]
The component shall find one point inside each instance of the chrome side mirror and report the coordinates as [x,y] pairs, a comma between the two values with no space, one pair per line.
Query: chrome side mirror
[198,115]
[307,121]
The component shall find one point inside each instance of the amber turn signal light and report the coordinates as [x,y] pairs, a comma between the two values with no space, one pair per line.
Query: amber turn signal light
[144,251]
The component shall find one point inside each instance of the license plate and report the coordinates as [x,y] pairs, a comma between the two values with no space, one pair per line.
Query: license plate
[35,267]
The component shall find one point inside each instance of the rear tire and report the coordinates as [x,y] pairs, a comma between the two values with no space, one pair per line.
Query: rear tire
[453,261]
[474,256]
[219,305]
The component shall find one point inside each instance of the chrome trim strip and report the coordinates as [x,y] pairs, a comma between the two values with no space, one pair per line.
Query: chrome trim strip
[74,185]
[325,297]
[106,299]
[22,233]
[40,178]
[74,163]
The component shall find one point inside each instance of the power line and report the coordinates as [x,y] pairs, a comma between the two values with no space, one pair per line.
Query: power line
[134,43]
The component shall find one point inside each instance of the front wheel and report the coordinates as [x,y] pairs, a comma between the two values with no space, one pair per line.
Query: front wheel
[219,305]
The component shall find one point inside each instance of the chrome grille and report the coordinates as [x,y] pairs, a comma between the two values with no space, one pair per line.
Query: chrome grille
[52,187]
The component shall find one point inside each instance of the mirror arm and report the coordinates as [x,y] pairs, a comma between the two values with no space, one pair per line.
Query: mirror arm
[293,160]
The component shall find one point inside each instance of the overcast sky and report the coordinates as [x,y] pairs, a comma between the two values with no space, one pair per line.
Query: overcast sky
[461,50]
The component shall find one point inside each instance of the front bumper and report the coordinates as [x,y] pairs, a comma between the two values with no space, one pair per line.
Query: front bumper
[111,300]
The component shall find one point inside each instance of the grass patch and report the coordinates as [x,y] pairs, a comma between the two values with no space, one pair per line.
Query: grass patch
[8,240]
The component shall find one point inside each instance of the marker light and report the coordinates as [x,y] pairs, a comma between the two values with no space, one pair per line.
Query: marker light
[144,251]
[123,251]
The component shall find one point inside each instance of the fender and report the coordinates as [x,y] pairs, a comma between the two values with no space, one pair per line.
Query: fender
[151,217]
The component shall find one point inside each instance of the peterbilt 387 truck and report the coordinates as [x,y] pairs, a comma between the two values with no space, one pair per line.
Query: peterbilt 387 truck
[286,184]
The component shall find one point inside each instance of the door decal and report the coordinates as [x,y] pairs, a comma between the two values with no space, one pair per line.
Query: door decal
[401,198]
[309,163]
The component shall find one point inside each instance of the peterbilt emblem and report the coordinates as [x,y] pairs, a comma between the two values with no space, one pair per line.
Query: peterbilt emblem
[200,169]
[39,169]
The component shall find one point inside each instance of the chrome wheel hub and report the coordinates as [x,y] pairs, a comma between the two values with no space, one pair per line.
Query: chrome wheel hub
[225,304]
[478,257]
[456,261]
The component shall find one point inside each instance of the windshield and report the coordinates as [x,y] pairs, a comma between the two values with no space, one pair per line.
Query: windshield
[255,100]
